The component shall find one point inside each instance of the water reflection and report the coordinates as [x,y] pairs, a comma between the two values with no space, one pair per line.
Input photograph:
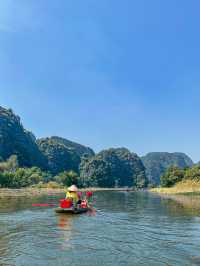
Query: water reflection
[92,211]
[65,225]
[117,201]
[137,202]
[184,205]
[64,221]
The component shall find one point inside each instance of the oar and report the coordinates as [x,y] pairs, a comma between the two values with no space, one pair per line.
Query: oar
[43,205]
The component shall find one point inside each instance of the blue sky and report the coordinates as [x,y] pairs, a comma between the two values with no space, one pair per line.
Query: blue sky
[104,73]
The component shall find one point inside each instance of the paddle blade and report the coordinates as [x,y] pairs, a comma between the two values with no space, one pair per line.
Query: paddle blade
[43,205]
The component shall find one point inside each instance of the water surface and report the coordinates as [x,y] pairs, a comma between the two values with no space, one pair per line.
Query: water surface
[127,229]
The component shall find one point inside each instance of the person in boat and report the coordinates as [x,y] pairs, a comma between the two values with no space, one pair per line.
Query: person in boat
[89,194]
[74,195]
[88,197]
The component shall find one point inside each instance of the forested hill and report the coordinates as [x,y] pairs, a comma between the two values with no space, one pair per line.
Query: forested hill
[54,154]
[113,167]
[76,147]
[156,163]
[58,157]
[62,154]
[14,139]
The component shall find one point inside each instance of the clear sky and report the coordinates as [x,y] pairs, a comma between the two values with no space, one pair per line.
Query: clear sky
[104,73]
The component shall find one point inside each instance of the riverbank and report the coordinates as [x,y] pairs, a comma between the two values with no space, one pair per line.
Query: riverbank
[30,192]
[190,187]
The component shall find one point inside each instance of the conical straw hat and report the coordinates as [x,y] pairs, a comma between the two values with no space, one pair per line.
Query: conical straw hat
[73,188]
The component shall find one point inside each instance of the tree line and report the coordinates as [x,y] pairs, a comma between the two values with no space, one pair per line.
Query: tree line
[14,176]
[109,168]
[175,174]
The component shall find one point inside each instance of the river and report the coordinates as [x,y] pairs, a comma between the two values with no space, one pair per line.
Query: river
[127,228]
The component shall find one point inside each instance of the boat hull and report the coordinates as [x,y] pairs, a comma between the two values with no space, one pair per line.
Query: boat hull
[71,211]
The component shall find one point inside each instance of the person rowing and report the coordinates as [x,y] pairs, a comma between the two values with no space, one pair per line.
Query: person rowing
[73,195]
[74,202]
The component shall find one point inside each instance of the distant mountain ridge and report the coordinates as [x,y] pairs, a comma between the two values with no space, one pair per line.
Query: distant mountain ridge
[156,163]
[109,167]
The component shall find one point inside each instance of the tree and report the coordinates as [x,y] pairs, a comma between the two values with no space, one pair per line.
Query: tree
[6,179]
[172,176]
[14,177]
[193,173]
[10,165]
[67,178]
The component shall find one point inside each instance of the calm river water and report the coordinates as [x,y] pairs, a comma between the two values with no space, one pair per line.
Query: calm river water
[127,229]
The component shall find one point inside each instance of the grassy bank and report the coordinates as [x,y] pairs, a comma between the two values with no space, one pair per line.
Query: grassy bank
[28,192]
[31,192]
[183,187]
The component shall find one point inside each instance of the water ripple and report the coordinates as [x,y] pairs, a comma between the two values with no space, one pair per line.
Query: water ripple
[127,229]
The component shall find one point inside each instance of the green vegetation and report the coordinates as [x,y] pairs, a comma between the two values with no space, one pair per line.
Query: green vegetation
[79,149]
[59,157]
[26,161]
[180,181]
[50,184]
[13,176]
[14,139]
[68,178]
[174,175]
[113,167]
[156,163]
[53,154]
[56,161]
[62,155]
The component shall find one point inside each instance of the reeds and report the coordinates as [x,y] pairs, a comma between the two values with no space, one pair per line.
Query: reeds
[183,187]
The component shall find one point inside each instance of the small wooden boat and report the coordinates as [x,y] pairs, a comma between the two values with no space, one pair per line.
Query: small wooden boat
[71,210]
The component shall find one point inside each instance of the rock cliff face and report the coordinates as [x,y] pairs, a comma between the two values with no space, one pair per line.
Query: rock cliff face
[156,163]
[14,139]
[113,167]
